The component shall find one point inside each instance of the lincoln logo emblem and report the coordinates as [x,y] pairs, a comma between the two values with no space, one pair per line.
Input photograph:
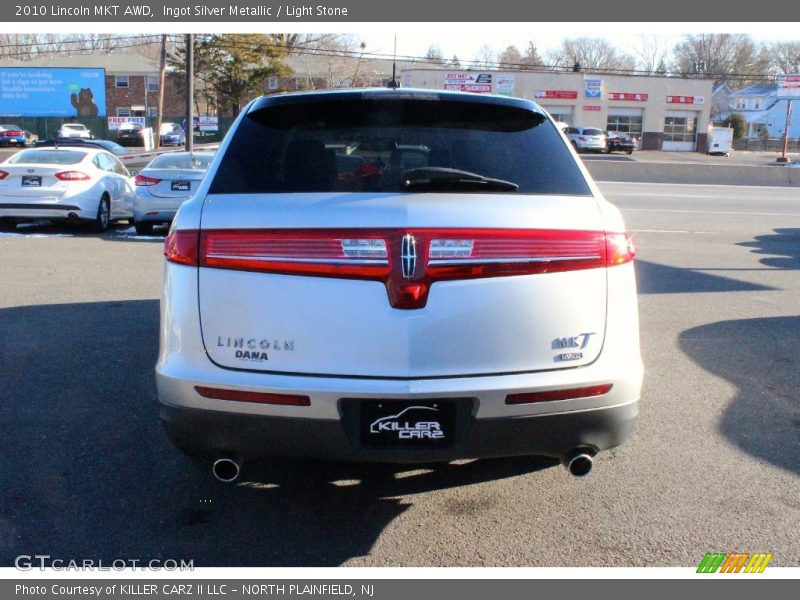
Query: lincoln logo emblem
[408,256]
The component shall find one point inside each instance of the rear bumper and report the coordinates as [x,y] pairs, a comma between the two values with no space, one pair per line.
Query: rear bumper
[66,209]
[210,433]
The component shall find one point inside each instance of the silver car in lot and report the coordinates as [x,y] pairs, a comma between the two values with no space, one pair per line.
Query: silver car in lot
[586,139]
[164,184]
[397,275]
[77,184]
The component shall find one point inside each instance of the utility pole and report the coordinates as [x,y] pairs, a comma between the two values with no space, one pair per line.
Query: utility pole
[783,158]
[189,92]
[162,67]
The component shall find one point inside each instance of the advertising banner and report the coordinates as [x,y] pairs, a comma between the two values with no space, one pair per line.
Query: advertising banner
[505,85]
[628,96]
[686,100]
[477,83]
[789,87]
[208,123]
[115,122]
[556,94]
[56,92]
[593,88]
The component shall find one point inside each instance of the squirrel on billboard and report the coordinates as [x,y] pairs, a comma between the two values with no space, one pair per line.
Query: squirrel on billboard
[83,101]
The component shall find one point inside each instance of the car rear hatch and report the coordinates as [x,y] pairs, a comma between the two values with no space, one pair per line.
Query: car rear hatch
[35,181]
[417,272]
[172,183]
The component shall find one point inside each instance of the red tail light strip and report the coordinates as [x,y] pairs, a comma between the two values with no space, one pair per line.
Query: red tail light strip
[551,395]
[256,397]
[383,254]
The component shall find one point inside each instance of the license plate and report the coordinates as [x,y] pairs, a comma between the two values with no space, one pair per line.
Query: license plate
[31,181]
[408,424]
[181,186]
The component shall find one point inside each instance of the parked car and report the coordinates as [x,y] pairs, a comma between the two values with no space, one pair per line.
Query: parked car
[69,184]
[12,135]
[30,138]
[164,184]
[73,130]
[619,141]
[172,134]
[586,139]
[482,303]
[130,134]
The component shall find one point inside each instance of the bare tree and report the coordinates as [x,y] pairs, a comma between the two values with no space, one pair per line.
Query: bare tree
[594,54]
[725,57]
[434,54]
[455,62]
[485,58]
[784,57]
[510,57]
[532,58]
[651,53]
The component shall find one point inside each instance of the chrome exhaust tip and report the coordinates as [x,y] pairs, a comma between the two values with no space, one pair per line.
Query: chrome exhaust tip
[578,463]
[226,469]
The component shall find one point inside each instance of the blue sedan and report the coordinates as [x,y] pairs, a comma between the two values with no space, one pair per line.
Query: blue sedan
[12,134]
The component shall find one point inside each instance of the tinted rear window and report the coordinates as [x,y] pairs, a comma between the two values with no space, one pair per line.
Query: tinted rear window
[592,132]
[371,145]
[44,157]
[181,161]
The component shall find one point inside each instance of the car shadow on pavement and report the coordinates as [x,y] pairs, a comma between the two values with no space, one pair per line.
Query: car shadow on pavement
[782,248]
[654,278]
[89,474]
[759,357]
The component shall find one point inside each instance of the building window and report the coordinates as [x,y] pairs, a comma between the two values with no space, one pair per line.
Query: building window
[152,83]
[152,111]
[740,104]
[123,111]
[680,129]
[757,104]
[625,124]
[121,81]
[272,83]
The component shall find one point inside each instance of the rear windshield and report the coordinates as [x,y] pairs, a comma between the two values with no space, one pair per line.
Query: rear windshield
[592,132]
[397,145]
[182,161]
[81,127]
[47,157]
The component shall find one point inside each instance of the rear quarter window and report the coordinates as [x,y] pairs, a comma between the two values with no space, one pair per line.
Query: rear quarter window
[378,144]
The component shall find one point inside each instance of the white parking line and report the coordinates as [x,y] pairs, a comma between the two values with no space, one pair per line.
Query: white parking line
[669,231]
[711,212]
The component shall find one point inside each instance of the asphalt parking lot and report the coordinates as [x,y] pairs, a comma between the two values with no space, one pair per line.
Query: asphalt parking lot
[712,466]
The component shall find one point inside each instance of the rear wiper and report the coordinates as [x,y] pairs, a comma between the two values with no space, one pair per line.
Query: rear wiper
[442,179]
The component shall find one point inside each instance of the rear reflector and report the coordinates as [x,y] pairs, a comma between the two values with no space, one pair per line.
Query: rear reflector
[551,395]
[3,175]
[257,397]
[71,176]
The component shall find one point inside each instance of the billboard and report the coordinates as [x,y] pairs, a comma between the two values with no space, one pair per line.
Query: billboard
[56,92]
[789,87]
[477,83]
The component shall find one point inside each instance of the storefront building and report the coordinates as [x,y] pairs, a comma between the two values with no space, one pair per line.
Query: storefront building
[665,113]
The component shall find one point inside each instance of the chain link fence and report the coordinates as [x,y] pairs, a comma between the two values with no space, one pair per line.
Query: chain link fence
[47,127]
[766,145]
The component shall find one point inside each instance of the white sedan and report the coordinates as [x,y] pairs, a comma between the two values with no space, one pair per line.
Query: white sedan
[78,185]
[164,184]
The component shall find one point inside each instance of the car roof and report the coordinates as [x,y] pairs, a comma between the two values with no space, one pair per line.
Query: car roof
[88,148]
[388,94]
